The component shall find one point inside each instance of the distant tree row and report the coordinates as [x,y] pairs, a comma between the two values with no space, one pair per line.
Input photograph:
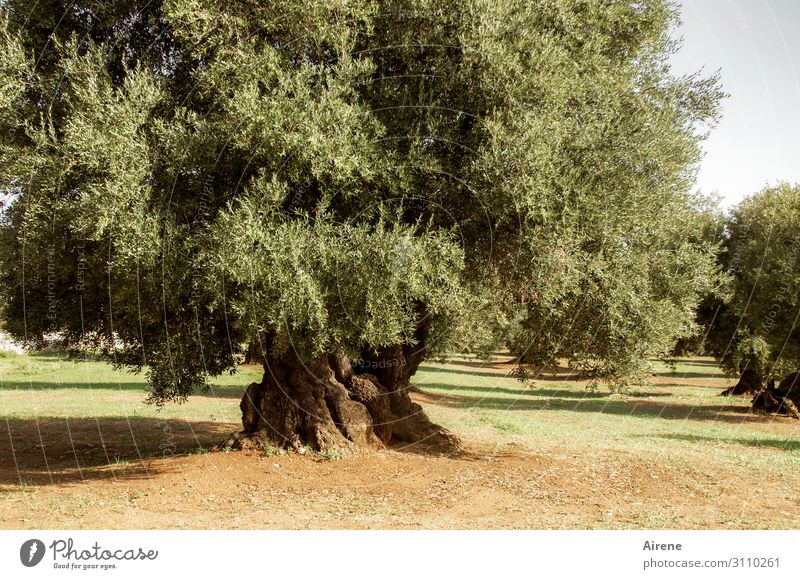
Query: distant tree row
[753,324]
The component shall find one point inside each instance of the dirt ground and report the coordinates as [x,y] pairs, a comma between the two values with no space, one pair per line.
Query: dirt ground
[486,487]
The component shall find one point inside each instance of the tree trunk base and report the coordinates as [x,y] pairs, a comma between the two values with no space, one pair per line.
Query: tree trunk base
[785,399]
[328,407]
[749,383]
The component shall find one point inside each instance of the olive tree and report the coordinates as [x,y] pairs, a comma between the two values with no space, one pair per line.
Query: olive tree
[351,186]
[754,331]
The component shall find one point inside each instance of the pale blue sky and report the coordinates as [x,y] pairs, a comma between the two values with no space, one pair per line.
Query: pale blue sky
[756,46]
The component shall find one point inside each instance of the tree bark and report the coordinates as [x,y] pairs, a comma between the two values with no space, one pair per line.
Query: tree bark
[253,354]
[749,382]
[783,399]
[333,405]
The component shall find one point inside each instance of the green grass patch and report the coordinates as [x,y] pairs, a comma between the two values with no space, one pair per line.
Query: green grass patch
[51,385]
[680,413]
[680,416]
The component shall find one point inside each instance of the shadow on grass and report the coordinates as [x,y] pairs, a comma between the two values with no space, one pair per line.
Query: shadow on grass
[42,371]
[520,392]
[487,372]
[697,369]
[214,391]
[565,400]
[677,387]
[38,385]
[478,363]
[560,374]
[52,450]
[679,374]
[536,392]
[695,362]
[788,445]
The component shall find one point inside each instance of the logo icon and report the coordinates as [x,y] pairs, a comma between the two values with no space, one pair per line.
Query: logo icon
[31,553]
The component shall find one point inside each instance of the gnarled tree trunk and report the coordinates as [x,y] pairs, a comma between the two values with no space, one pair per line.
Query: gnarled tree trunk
[749,382]
[253,355]
[785,399]
[333,404]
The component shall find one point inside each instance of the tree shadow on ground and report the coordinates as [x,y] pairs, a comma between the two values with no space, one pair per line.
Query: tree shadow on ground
[709,390]
[423,448]
[62,451]
[476,363]
[699,369]
[535,392]
[705,369]
[562,375]
[488,372]
[696,362]
[39,385]
[678,374]
[51,450]
[214,391]
[788,445]
[633,407]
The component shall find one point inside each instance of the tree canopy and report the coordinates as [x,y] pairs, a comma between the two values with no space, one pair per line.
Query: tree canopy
[755,327]
[349,178]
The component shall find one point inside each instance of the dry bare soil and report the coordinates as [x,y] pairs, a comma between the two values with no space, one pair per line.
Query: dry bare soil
[79,449]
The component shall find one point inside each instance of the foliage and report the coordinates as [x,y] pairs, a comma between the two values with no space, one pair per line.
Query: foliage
[190,175]
[712,305]
[751,352]
[756,327]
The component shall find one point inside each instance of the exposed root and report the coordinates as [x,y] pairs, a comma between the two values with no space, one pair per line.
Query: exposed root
[783,399]
[330,406]
[749,383]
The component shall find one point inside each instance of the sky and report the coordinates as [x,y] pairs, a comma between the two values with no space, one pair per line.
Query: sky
[755,44]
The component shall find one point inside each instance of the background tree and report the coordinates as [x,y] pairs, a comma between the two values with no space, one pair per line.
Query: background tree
[755,332]
[713,232]
[354,186]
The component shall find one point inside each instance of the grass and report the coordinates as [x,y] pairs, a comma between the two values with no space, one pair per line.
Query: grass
[49,385]
[331,455]
[677,417]
[87,451]
[680,418]
[270,450]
